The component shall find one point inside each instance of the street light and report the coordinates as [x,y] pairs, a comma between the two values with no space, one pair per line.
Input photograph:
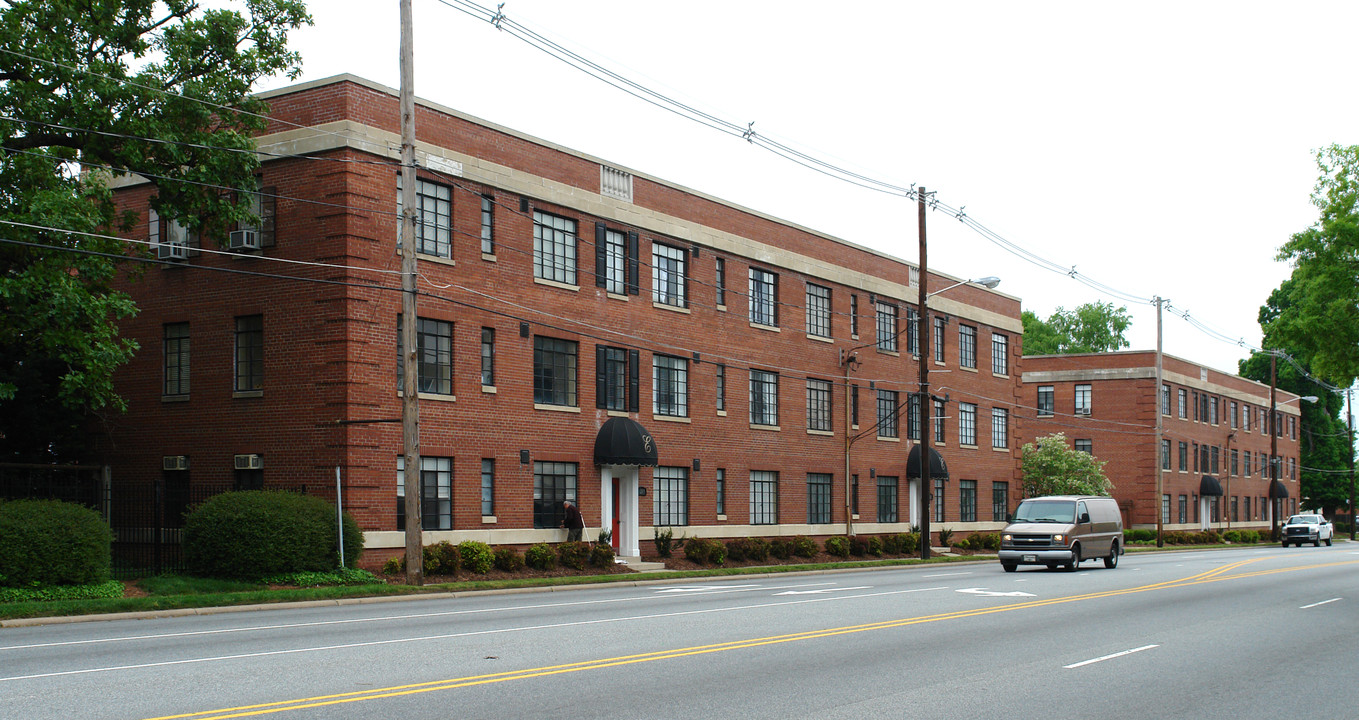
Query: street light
[1274,430]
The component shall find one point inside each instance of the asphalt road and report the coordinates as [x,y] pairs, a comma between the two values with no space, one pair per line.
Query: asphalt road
[1234,634]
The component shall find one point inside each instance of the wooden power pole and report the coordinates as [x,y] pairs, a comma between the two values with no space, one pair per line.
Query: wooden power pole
[410,408]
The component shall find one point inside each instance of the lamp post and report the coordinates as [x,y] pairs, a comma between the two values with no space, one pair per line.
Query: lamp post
[1274,430]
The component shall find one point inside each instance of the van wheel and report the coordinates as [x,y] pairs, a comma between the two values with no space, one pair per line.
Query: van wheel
[1009,567]
[1316,543]
[1111,562]
[1284,543]
[1328,542]
[1075,559]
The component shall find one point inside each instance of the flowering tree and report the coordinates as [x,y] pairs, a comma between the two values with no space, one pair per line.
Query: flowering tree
[1051,467]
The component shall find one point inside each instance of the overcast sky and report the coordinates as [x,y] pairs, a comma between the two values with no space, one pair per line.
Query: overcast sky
[1161,148]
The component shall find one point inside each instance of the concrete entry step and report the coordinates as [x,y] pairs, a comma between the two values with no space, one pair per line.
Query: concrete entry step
[635,564]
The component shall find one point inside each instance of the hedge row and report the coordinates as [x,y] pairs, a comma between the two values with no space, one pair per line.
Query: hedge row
[1145,536]
[711,551]
[477,558]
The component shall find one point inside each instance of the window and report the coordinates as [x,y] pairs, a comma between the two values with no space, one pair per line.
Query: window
[554,371]
[1235,415]
[1000,354]
[488,356]
[436,493]
[721,491]
[939,497]
[818,311]
[616,380]
[1086,446]
[1184,509]
[487,487]
[553,484]
[1184,402]
[888,499]
[764,297]
[669,386]
[1195,403]
[487,225]
[249,479]
[1000,431]
[1184,457]
[1212,409]
[249,353]
[263,206]
[671,505]
[611,260]
[912,332]
[819,405]
[967,423]
[1047,404]
[939,421]
[854,406]
[764,497]
[554,248]
[669,282]
[1165,508]
[433,218]
[854,316]
[720,282]
[175,346]
[854,493]
[967,501]
[939,340]
[887,414]
[1213,455]
[169,238]
[433,357]
[1245,417]
[818,498]
[1165,399]
[1165,454]
[1083,399]
[887,326]
[1245,464]
[967,346]
[913,416]
[721,391]
[1000,501]
[1236,462]
[764,398]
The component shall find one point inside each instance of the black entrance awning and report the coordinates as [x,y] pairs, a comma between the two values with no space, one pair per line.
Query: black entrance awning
[938,469]
[1277,490]
[623,441]
[1210,486]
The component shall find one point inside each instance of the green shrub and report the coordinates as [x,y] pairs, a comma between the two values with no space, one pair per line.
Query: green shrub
[804,546]
[945,536]
[601,555]
[1250,536]
[394,565]
[49,542]
[477,556]
[106,589]
[858,546]
[665,542]
[573,554]
[508,560]
[442,558]
[707,551]
[837,546]
[736,550]
[780,548]
[755,549]
[541,557]
[891,544]
[907,543]
[875,546]
[257,533]
[344,576]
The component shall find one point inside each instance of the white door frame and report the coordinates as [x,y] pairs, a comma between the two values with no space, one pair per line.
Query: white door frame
[627,543]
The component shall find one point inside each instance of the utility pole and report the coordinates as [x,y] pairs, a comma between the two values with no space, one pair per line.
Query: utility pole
[1349,418]
[926,402]
[1160,436]
[1276,504]
[410,408]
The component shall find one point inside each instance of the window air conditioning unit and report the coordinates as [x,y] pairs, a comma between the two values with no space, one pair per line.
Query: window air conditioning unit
[249,462]
[175,462]
[172,251]
[244,240]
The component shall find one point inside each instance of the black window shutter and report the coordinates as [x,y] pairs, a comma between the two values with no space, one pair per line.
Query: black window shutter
[686,277]
[634,288]
[601,377]
[634,360]
[601,255]
[776,301]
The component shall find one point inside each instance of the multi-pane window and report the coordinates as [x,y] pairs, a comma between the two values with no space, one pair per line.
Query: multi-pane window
[554,248]
[887,326]
[1000,501]
[938,418]
[671,505]
[1083,399]
[1047,403]
[1212,410]
[1000,354]
[939,499]
[1184,456]
[249,353]
[554,371]
[764,497]
[1235,415]
[939,339]
[888,499]
[1183,509]
[1000,428]
[913,416]
[819,405]
[433,356]
[764,288]
[854,406]
[488,356]
[1165,454]
[854,493]
[721,389]
[553,484]
[854,316]
[1165,399]
[434,217]
[1213,457]
[487,487]
[172,234]
[487,224]
[669,386]
[764,398]
[967,500]
[818,311]
[887,414]
[967,423]
[720,282]
[1245,463]
[176,350]
[1184,403]
[967,346]
[612,376]
[912,331]
[436,493]
[1236,462]
[615,262]
[818,498]
[1085,445]
[263,208]
[668,279]
[720,492]
[1165,508]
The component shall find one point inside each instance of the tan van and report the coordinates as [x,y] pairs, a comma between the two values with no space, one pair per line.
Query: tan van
[1062,530]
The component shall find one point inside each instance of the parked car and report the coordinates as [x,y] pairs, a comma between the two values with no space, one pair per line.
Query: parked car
[1314,529]
[1062,530]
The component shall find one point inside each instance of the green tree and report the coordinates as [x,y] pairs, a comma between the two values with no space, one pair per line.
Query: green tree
[1090,328]
[1051,467]
[94,89]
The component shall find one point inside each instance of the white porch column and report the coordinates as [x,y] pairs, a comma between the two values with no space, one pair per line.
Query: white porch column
[628,544]
[606,499]
[915,501]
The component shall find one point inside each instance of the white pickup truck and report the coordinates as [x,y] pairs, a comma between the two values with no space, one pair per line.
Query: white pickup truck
[1299,529]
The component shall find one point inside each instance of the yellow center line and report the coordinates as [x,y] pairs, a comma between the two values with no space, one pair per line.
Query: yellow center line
[1218,574]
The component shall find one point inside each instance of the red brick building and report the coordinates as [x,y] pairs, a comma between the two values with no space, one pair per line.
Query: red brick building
[1215,441]
[763,369]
